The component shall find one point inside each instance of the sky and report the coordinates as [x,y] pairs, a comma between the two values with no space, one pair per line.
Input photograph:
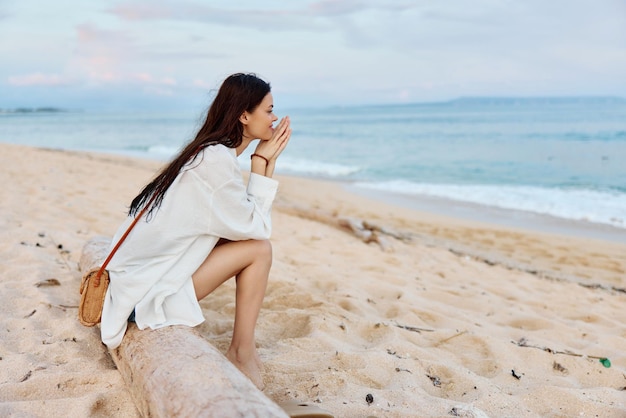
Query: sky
[148,54]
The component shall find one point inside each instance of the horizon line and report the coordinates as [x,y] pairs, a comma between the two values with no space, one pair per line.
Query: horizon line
[459,99]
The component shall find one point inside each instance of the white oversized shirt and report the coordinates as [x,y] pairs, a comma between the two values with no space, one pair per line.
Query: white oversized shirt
[151,271]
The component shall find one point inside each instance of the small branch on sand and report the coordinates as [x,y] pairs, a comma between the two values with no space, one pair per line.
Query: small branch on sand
[366,231]
[542,274]
[413,329]
[445,340]
[360,229]
[524,343]
[401,236]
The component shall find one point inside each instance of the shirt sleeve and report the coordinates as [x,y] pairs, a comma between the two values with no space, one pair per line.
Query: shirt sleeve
[239,213]
[236,212]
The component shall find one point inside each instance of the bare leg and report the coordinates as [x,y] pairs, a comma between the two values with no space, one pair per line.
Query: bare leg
[250,262]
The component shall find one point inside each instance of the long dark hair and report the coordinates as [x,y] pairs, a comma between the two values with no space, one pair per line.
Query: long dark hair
[238,93]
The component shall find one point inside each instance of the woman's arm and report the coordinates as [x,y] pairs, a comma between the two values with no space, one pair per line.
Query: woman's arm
[239,212]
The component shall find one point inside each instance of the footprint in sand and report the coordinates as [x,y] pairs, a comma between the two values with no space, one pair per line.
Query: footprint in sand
[286,325]
[447,383]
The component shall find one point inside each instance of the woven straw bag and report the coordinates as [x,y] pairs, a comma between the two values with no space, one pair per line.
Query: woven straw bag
[94,284]
[93,289]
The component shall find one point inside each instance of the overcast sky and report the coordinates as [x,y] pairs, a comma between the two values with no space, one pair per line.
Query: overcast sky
[170,54]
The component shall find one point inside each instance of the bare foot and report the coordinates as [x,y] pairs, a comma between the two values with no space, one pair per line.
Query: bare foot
[250,365]
[258,361]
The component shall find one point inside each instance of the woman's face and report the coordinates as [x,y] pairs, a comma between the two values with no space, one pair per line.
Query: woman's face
[258,124]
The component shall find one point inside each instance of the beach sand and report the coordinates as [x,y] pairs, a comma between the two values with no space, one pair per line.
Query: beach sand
[452,318]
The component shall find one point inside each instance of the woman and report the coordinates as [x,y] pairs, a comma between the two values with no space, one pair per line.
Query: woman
[204,226]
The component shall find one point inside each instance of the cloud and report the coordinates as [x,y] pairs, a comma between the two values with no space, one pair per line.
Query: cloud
[336,7]
[336,24]
[310,18]
[398,24]
[137,11]
[145,78]
[499,31]
[181,56]
[100,59]
[111,57]
[329,8]
[38,79]
[194,10]
[183,10]
[123,46]
[345,50]
[98,54]
[90,37]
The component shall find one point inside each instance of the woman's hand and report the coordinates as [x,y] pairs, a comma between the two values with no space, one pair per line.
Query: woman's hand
[270,150]
[273,147]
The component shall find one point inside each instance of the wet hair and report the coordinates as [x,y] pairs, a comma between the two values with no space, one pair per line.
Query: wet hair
[238,93]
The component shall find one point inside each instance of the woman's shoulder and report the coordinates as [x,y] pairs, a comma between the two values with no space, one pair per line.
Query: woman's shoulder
[216,164]
[219,152]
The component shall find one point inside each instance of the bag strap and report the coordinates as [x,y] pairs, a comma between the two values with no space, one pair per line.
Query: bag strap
[121,240]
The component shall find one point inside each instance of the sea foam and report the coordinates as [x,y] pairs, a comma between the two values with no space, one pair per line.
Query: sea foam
[603,207]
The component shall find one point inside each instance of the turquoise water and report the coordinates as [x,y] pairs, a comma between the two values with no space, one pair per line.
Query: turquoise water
[560,157]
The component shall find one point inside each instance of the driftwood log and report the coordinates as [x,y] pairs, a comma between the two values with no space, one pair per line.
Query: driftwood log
[366,231]
[174,372]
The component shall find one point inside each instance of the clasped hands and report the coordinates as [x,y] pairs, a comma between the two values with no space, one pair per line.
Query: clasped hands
[271,149]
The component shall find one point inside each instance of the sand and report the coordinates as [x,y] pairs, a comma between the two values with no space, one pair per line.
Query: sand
[457,318]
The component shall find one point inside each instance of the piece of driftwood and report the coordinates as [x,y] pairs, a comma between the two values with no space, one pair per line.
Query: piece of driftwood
[366,231]
[174,372]
[369,232]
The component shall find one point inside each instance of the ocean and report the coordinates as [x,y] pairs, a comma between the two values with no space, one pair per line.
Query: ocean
[530,159]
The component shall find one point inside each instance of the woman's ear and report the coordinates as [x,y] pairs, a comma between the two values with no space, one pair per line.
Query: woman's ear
[244,118]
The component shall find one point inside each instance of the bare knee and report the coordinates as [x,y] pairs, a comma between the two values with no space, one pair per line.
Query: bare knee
[263,250]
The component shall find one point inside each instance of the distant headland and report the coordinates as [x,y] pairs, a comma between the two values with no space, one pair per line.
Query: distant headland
[538,100]
[33,110]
